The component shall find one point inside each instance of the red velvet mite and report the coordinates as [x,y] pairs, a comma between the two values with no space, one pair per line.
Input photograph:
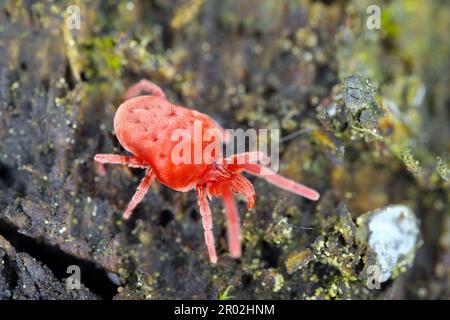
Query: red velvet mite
[144,126]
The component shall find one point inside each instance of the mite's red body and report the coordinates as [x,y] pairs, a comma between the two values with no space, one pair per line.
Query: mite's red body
[145,126]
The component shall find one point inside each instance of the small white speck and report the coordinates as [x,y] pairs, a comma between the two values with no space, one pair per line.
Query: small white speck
[130,6]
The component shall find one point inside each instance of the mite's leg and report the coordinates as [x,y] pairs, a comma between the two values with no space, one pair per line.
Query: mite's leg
[100,168]
[234,225]
[280,181]
[144,86]
[205,212]
[247,158]
[140,193]
[118,159]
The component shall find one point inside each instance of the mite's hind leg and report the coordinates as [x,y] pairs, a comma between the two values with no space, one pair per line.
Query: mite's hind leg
[100,168]
[133,162]
[144,86]
[140,193]
[119,159]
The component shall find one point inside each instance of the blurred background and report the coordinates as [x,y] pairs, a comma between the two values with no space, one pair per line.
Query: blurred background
[359,89]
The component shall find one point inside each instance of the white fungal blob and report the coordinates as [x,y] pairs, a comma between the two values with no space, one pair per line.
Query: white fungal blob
[393,235]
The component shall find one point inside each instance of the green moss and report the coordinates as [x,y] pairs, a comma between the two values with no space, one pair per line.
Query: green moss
[225,295]
[104,59]
[410,162]
[297,260]
[442,169]
[279,232]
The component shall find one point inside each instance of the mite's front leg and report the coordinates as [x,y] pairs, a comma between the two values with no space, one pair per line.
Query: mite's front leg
[205,213]
[280,181]
[233,223]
